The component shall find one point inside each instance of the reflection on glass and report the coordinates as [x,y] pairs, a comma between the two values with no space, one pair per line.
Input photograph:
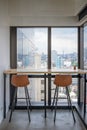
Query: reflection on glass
[32,48]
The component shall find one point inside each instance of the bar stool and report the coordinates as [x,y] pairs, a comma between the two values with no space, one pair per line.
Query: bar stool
[62,81]
[20,81]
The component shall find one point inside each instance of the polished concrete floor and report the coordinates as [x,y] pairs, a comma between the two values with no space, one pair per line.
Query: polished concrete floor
[64,121]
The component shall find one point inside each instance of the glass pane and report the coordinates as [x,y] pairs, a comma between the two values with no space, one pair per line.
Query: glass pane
[64,56]
[64,48]
[32,48]
[85,51]
[32,54]
[85,47]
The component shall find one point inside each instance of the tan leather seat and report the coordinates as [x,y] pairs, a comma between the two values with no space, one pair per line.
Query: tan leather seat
[63,80]
[20,80]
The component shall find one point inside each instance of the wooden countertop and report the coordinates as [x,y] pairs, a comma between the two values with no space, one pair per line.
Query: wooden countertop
[44,71]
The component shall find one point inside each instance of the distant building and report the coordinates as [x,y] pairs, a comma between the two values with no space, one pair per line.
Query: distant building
[25,48]
[59,63]
[54,58]
[67,63]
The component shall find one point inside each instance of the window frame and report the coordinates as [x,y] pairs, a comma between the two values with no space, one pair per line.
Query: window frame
[13,52]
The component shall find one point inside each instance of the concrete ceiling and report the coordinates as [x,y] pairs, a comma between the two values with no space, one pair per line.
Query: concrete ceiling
[45,7]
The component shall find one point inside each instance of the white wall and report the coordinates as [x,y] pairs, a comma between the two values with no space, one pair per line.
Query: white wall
[43,21]
[4,48]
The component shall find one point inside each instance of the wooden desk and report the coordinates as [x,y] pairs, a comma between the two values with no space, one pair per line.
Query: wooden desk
[44,73]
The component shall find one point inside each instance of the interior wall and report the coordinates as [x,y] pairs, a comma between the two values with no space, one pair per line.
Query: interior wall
[43,21]
[4,49]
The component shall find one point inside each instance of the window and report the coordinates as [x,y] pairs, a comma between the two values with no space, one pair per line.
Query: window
[32,53]
[64,55]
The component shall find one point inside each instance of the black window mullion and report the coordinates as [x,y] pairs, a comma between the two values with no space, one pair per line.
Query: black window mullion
[13,47]
[49,65]
[13,56]
[80,60]
[78,65]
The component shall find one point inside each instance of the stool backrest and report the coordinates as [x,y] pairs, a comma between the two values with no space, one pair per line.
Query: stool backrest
[19,80]
[63,80]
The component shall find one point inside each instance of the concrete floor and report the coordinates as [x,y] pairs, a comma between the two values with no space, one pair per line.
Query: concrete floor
[64,121]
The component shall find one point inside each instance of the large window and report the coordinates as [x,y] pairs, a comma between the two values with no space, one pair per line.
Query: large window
[33,53]
[64,55]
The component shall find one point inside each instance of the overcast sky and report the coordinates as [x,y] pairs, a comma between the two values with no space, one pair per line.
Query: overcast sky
[64,40]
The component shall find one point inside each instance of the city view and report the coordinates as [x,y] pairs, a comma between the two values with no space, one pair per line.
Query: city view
[32,53]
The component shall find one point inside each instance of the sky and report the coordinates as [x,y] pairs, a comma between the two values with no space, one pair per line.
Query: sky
[64,40]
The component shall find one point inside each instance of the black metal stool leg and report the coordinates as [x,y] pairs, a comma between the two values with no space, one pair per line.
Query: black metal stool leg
[70,104]
[56,103]
[68,99]
[28,96]
[54,99]
[13,104]
[27,104]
